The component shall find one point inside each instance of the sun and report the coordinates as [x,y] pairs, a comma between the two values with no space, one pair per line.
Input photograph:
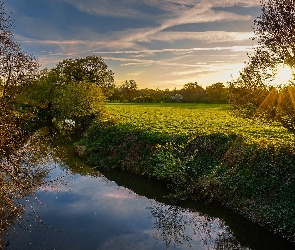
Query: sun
[284,75]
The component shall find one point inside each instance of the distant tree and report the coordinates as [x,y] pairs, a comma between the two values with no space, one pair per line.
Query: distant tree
[116,94]
[217,93]
[17,67]
[91,69]
[128,90]
[193,92]
[166,95]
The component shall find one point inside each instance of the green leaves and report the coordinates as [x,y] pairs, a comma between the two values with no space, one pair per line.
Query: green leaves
[78,100]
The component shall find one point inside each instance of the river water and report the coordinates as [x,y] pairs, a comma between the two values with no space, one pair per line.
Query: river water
[90,211]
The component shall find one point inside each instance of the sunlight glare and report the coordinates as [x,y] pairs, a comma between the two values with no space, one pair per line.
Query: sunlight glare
[284,74]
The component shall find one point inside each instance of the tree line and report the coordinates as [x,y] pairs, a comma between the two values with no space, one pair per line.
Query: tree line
[191,92]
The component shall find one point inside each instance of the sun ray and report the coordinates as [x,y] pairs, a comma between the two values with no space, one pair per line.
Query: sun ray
[292,95]
[268,101]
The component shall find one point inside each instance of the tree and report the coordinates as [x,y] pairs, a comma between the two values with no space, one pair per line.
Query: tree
[217,93]
[250,89]
[91,69]
[17,67]
[285,110]
[76,100]
[128,90]
[192,92]
[275,30]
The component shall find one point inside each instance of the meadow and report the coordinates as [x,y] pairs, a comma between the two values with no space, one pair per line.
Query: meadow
[190,119]
[202,151]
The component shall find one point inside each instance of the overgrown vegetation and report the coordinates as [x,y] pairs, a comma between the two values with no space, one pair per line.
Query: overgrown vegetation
[222,161]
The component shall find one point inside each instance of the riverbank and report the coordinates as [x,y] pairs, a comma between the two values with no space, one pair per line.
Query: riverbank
[253,177]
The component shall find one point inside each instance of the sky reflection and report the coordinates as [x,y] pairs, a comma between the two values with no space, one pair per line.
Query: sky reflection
[95,213]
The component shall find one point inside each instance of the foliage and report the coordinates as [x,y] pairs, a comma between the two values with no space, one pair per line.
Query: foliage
[192,92]
[88,69]
[217,93]
[285,111]
[252,93]
[60,100]
[128,90]
[276,32]
[17,67]
[78,100]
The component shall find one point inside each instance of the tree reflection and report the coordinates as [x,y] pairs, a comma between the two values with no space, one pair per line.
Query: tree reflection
[178,226]
[22,169]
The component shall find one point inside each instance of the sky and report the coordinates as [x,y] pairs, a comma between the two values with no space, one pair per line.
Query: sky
[158,43]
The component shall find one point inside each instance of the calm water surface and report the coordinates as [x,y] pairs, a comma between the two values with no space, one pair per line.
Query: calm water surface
[92,212]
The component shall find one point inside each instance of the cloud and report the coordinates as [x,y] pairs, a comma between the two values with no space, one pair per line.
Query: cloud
[158,9]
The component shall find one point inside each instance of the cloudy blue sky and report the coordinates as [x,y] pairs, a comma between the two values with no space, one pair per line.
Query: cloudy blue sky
[158,43]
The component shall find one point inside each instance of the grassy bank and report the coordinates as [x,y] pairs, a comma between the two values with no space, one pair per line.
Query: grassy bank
[203,152]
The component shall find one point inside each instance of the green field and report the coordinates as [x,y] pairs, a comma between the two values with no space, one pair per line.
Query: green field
[187,119]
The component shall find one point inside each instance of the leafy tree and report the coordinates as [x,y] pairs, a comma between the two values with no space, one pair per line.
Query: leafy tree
[128,90]
[116,95]
[75,101]
[17,67]
[275,30]
[275,34]
[91,69]
[249,90]
[63,101]
[192,92]
[21,169]
[217,93]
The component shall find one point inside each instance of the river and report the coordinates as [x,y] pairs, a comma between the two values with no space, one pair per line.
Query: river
[88,210]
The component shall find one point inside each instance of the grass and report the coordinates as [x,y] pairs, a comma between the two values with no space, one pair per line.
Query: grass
[189,119]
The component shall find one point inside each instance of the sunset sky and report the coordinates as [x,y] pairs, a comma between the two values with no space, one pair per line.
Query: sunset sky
[158,43]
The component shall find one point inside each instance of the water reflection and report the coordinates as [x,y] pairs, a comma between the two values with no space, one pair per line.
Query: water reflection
[22,173]
[88,211]
[177,226]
